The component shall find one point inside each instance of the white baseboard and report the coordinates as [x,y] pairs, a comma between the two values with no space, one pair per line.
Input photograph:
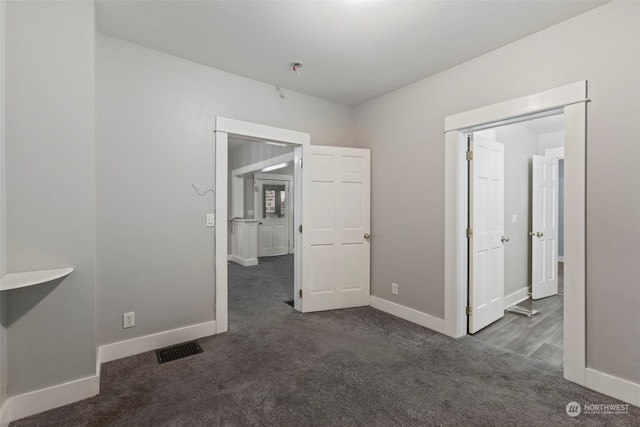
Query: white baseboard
[34,402]
[27,404]
[624,390]
[410,314]
[120,349]
[516,297]
[4,414]
[242,261]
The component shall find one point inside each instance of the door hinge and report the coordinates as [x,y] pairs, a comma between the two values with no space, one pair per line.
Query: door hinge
[300,228]
[469,311]
[469,155]
[469,233]
[301,162]
[300,293]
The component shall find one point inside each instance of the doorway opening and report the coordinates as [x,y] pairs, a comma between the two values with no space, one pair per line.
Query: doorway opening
[226,129]
[260,227]
[516,264]
[335,212]
[572,100]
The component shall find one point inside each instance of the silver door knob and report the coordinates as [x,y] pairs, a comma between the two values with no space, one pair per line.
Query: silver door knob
[367,235]
[504,239]
[539,234]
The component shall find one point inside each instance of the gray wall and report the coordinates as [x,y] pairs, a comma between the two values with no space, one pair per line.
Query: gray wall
[551,140]
[155,121]
[520,145]
[50,191]
[404,130]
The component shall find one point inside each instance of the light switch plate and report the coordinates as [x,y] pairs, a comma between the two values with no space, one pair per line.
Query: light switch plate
[210,220]
[514,218]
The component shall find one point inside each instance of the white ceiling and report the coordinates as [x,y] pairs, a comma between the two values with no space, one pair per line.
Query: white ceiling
[545,125]
[352,51]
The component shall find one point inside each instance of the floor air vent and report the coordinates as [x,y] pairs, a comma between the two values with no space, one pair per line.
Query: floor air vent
[178,351]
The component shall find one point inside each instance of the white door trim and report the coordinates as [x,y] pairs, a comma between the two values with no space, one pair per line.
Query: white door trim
[572,99]
[224,128]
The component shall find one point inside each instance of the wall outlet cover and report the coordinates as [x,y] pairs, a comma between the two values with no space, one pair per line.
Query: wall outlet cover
[129,320]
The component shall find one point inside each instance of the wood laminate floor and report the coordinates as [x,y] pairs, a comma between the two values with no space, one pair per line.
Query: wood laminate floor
[540,337]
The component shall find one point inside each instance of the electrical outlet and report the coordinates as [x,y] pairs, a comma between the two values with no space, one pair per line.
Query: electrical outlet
[394,288]
[129,320]
[210,220]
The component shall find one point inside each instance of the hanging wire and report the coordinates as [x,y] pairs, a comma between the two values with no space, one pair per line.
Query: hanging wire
[203,193]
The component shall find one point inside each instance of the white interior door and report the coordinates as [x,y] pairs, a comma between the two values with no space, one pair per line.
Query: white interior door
[335,228]
[273,228]
[544,222]
[486,217]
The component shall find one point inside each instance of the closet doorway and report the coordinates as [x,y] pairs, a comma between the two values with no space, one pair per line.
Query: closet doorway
[516,248]
[572,100]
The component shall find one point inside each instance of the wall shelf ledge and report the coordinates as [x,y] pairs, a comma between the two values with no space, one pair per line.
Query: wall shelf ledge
[30,278]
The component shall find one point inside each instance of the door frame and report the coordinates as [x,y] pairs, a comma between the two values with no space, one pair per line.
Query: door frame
[290,206]
[572,100]
[225,127]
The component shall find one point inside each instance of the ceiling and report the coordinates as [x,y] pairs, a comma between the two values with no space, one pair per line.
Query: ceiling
[543,125]
[352,51]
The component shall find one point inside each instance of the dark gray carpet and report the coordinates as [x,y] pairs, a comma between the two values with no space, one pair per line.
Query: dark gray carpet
[355,367]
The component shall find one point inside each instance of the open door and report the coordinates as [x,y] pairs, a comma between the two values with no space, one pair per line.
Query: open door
[335,228]
[544,222]
[486,223]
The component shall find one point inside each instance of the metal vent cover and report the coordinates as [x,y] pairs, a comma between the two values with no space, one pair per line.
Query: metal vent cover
[178,351]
